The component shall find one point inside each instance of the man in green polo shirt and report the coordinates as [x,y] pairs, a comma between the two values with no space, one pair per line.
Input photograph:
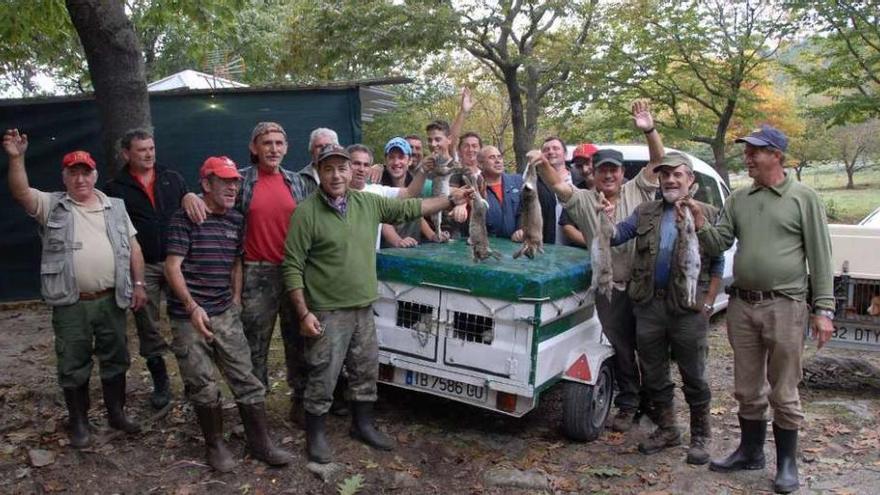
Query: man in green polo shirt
[330,270]
[782,230]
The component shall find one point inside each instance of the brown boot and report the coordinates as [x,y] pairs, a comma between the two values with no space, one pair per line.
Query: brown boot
[257,432]
[701,434]
[666,434]
[216,453]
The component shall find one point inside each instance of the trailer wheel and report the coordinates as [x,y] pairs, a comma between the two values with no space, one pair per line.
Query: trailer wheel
[585,407]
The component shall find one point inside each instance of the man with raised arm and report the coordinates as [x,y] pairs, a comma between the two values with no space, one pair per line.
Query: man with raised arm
[617,317]
[90,268]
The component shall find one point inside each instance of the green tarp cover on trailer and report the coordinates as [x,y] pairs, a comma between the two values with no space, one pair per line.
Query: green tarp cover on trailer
[188,126]
[559,272]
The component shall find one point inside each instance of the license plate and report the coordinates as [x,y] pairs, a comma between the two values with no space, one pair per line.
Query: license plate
[446,386]
[856,334]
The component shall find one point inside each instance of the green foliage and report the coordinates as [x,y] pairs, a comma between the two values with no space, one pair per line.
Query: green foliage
[698,61]
[351,485]
[37,37]
[831,209]
[351,39]
[842,60]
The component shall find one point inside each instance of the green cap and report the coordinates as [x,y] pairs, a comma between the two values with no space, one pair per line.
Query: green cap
[674,159]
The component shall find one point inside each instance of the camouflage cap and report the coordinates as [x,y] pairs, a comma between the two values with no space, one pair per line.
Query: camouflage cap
[674,159]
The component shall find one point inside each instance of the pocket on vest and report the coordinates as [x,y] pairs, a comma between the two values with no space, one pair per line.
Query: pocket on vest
[54,282]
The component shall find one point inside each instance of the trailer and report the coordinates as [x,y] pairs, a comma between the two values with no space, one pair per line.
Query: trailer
[856,286]
[496,334]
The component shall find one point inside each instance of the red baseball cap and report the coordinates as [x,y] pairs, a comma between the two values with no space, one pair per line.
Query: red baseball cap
[584,150]
[77,157]
[221,166]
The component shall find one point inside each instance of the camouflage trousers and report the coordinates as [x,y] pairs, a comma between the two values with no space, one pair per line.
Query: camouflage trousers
[85,328]
[263,301]
[150,340]
[349,338]
[228,351]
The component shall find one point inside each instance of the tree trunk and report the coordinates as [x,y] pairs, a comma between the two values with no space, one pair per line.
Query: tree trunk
[720,166]
[116,67]
[849,177]
[517,118]
[798,170]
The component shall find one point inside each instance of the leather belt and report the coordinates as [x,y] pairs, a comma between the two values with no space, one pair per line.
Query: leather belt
[752,296]
[91,296]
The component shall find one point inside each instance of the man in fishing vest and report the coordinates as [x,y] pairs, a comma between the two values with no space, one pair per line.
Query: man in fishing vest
[665,322]
[90,256]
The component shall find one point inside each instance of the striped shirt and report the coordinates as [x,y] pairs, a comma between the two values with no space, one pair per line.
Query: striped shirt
[209,251]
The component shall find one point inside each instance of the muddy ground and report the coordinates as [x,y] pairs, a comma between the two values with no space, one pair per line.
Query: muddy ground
[443,447]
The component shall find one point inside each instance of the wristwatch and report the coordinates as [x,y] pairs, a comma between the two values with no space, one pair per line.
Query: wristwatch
[824,312]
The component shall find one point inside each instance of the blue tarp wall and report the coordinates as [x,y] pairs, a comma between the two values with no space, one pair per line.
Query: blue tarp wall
[189,126]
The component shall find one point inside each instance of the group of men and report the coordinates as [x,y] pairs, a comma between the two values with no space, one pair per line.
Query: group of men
[263,243]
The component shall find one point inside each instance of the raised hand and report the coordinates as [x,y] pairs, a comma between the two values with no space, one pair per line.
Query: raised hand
[642,118]
[467,101]
[14,143]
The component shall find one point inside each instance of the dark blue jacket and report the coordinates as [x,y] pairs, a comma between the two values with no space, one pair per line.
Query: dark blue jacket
[502,219]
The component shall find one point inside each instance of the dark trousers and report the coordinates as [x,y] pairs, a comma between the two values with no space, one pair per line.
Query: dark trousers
[88,328]
[660,332]
[619,325]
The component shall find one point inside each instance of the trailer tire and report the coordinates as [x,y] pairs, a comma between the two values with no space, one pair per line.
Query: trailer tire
[585,407]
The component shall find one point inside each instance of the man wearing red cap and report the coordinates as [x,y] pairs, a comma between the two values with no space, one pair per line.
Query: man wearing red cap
[204,270]
[582,165]
[90,256]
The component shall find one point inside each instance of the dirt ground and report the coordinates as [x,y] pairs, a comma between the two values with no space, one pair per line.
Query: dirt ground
[443,447]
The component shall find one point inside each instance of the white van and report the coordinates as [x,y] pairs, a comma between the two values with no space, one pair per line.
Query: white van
[712,190]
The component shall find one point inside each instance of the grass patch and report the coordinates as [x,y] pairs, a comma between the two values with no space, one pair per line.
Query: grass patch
[842,205]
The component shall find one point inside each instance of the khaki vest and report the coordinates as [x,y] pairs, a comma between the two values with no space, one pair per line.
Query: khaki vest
[57,279]
[641,285]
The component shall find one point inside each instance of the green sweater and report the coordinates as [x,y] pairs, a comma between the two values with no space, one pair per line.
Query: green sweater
[781,231]
[333,257]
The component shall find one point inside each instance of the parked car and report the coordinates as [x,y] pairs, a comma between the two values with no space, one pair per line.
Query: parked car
[713,190]
[872,220]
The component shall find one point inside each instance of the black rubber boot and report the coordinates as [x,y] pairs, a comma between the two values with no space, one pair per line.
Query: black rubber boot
[750,453]
[363,429]
[77,400]
[161,395]
[701,434]
[114,400]
[316,438]
[786,460]
[296,414]
[253,416]
[216,453]
[666,435]
[339,407]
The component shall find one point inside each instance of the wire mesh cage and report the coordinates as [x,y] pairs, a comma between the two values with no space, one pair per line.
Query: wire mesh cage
[858,299]
[414,315]
[471,327]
